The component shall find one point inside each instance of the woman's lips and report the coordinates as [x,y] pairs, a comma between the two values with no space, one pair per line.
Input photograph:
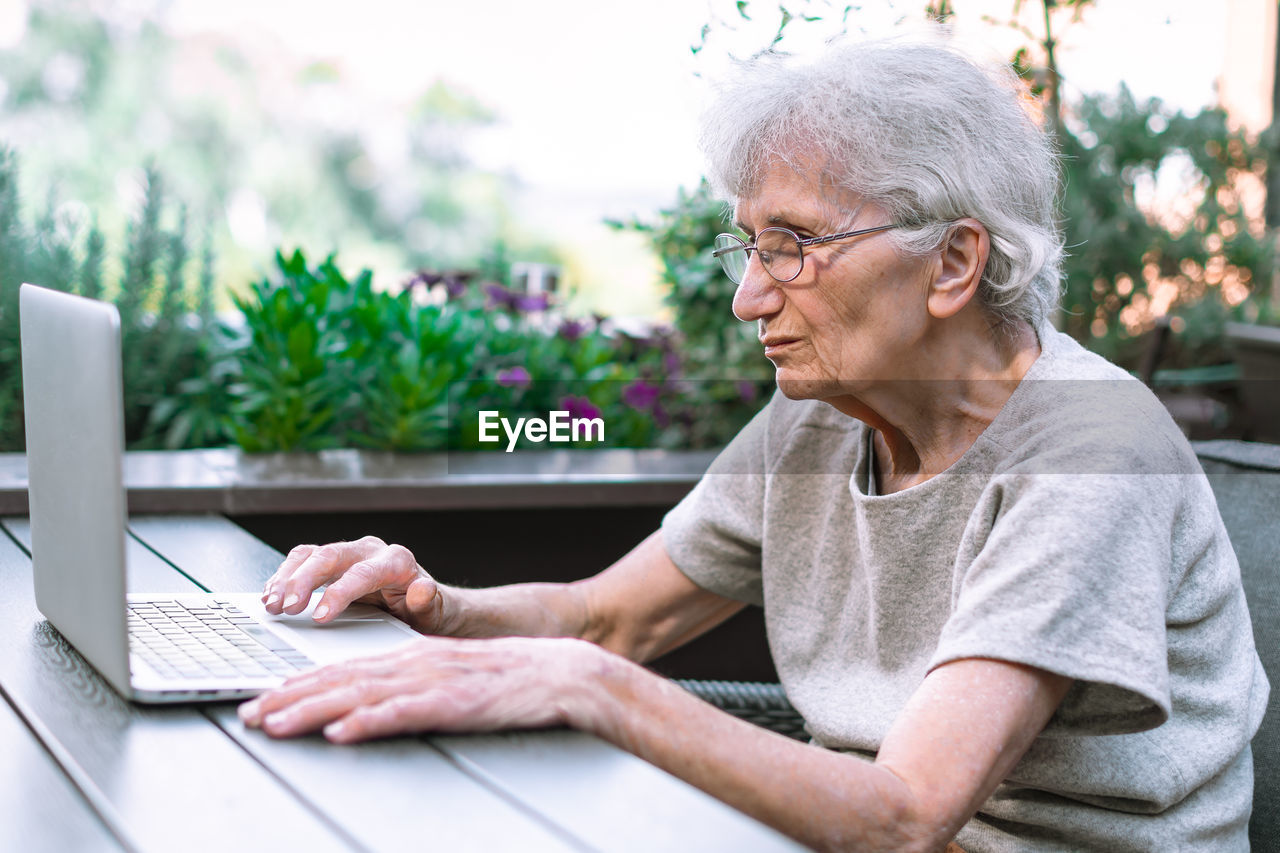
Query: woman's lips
[774,346]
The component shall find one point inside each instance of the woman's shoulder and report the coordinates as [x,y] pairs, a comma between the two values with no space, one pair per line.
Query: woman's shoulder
[1076,412]
[1062,357]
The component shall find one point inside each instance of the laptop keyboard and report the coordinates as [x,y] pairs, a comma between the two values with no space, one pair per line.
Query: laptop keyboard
[213,639]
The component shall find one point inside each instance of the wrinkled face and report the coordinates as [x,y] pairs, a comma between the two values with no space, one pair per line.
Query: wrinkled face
[853,314]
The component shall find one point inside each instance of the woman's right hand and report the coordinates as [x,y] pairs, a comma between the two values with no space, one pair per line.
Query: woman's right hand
[367,570]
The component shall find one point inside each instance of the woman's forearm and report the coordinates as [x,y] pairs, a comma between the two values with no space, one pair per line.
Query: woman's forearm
[518,610]
[823,799]
[962,731]
[640,607]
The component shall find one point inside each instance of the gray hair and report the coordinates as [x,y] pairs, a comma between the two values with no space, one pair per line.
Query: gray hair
[917,128]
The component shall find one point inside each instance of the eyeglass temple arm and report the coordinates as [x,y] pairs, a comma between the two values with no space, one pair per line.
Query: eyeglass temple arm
[810,241]
[814,241]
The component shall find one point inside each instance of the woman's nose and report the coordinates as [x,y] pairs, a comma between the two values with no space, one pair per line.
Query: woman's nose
[758,295]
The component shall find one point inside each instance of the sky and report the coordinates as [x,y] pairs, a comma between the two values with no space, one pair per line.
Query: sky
[599,97]
[597,100]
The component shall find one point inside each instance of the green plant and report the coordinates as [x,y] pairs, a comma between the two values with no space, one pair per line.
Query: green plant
[327,361]
[527,371]
[729,376]
[1192,255]
[292,386]
[15,267]
[407,356]
[43,253]
[163,343]
[1133,259]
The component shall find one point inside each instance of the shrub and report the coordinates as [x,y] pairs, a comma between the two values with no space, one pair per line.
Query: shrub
[726,376]
[326,361]
[164,343]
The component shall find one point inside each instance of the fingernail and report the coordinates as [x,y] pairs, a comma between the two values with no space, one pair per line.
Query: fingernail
[321,611]
[277,719]
[334,729]
[273,598]
[291,600]
[248,712]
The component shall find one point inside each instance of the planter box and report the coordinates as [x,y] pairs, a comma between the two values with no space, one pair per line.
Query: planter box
[234,483]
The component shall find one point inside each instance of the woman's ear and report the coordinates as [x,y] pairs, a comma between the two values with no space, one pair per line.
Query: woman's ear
[962,260]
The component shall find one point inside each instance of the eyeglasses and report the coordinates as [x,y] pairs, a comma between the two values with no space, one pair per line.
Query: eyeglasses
[781,251]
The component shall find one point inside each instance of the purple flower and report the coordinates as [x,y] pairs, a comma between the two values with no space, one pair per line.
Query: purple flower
[746,390]
[497,296]
[536,302]
[426,278]
[572,330]
[641,395]
[515,377]
[455,284]
[579,407]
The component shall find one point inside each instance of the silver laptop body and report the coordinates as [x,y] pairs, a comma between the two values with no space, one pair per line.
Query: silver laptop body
[73,400]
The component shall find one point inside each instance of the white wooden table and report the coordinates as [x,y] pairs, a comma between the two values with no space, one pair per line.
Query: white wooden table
[83,769]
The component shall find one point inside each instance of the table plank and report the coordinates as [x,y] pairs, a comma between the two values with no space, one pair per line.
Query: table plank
[163,777]
[210,549]
[146,572]
[610,798]
[43,811]
[399,793]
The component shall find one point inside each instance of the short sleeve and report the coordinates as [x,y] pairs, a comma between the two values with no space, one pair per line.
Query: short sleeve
[1070,573]
[714,534]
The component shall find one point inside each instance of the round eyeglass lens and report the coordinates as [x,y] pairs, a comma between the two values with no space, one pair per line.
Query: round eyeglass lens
[733,261]
[779,253]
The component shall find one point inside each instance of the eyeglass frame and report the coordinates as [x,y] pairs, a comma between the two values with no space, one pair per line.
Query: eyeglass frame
[801,242]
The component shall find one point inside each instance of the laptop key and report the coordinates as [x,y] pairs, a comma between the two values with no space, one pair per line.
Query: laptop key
[266,638]
[199,641]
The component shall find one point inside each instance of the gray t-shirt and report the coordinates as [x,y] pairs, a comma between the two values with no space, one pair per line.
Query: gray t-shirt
[1077,535]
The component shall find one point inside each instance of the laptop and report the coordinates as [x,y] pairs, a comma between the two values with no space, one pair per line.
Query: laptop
[152,648]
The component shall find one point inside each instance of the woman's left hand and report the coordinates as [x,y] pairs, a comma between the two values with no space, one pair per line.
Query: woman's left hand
[436,684]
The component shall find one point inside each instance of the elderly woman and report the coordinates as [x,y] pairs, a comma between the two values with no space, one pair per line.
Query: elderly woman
[995,583]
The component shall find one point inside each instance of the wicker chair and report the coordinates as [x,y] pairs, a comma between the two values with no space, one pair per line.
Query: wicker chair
[1246,480]
[763,704]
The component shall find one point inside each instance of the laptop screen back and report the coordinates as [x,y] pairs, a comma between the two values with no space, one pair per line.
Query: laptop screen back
[72,396]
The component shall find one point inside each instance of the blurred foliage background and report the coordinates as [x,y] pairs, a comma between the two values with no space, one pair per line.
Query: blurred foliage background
[117,183]
[263,149]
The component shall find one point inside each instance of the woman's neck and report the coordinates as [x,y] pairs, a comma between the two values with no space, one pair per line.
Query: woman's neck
[927,419]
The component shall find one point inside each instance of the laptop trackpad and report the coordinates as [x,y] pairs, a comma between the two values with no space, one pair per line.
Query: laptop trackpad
[360,630]
[343,638]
